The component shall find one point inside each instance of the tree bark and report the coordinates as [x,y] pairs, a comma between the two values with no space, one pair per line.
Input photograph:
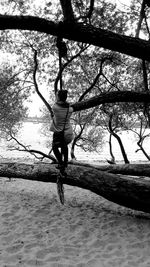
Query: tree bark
[124,155]
[79,32]
[130,192]
[112,97]
[111,150]
[142,170]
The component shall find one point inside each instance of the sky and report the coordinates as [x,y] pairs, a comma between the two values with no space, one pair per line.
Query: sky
[35,107]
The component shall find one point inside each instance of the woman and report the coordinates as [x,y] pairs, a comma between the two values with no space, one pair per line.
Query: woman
[63,133]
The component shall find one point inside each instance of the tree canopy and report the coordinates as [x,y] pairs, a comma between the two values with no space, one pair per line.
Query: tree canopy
[72,29]
[12,97]
[85,22]
[105,50]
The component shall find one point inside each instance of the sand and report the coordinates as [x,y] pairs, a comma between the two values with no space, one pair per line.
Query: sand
[36,230]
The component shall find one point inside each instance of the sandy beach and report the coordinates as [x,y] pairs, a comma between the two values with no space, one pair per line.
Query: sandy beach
[36,230]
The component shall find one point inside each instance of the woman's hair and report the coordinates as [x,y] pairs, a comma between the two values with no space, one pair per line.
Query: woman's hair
[62,94]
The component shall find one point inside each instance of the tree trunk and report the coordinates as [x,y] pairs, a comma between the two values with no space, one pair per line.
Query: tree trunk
[72,149]
[119,141]
[130,192]
[110,149]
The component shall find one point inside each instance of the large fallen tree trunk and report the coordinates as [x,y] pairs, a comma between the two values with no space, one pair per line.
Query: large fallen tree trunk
[131,192]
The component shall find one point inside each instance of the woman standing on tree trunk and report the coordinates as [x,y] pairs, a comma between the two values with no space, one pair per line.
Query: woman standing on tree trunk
[61,128]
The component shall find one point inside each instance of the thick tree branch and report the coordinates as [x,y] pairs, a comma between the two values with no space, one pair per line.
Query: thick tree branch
[81,33]
[112,97]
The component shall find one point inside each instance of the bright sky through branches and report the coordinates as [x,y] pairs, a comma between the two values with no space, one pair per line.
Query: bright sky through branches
[36,101]
[36,104]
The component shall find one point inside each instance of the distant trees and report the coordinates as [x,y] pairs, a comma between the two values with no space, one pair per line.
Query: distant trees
[12,97]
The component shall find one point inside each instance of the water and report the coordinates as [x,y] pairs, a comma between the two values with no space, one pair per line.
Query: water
[31,135]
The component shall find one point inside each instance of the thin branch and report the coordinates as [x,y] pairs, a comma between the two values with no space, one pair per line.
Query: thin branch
[110,58]
[142,15]
[95,79]
[36,85]
[147,26]
[65,66]
[92,85]
[31,151]
[67,10]
[89,12]
[111,130]
[91,9]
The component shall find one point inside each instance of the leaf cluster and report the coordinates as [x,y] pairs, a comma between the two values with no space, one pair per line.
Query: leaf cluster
[12,97]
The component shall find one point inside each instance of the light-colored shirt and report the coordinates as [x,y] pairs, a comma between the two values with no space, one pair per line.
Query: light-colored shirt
[61,118]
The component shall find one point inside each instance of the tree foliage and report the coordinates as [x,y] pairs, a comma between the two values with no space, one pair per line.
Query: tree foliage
[12,97]
[93,75]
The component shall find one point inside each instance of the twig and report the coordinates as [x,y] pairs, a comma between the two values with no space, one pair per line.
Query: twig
[31,151]
[65,65]
[36,85]
[96,78]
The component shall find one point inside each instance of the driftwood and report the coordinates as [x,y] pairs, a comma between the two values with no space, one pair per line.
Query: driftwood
[131,192]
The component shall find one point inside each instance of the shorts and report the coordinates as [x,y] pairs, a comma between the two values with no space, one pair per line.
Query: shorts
[59,138]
